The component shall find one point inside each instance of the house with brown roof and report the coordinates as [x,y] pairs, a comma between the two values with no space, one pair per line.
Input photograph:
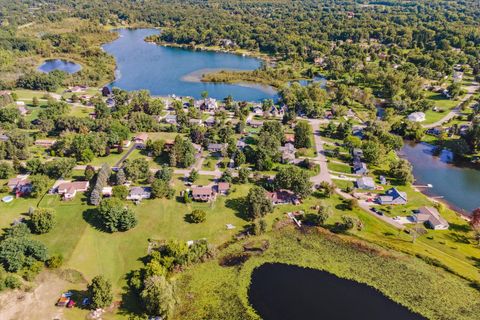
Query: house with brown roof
[69,189]
[282,197]
[141,138]
[45,143]
[223,188]
[203,194]
[20,185]
[255,123]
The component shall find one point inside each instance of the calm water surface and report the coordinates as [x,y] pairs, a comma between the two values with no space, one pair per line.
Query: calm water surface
[59,64]
[166,70]
[283,292]
[460,186]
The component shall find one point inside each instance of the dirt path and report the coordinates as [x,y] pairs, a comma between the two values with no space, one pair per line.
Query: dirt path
[38,303]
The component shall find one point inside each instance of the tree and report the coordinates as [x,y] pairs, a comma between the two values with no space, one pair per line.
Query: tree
[349,223]
[475,221]
[373,152]
[158,296]
[164,173]
[328,188]
[136,169]
[351,203]
[294,179]
[100,291]
[42,220]
[197,216]
[324,212]
[35,102]
[6,170]
[243,174]
[89,172]
[162,189]
[115,216]
[258,205]
[402,171]
[120,192]
[120,177]
[40,184]
[303,133]
[193,175]
[34,165]
[227,176]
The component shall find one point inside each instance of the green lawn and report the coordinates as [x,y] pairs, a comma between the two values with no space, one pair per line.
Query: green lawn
[339,167]
[441,102]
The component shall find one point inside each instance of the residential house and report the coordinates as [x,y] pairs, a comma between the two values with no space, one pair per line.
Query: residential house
[171,119]
[365,183]
[258,110]
[216,147]
[126,143]
[241,144]
[45,143]
[383,180]
[197,122]
[4,138]
[282,197]
[393,196]
[69,189]
[20,185]
[203,194]
[139,193]
[141,138]
[197,147]
[208,104]
[22,109]
[360,167]
[416,117]
[357,153]
[289,138]
[287,153]
[223,188]
[431,217]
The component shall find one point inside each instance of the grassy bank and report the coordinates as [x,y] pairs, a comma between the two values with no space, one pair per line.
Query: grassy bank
[212,291]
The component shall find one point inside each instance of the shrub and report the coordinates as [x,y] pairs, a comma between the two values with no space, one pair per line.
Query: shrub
[12,282]
[42,220]
[197,216]
[55,262]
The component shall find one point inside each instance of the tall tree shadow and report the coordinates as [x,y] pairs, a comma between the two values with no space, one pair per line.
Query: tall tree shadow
[239,205]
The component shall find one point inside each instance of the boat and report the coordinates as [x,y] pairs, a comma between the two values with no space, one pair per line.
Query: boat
[7,199]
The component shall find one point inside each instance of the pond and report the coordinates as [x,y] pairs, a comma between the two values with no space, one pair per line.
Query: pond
[59,64]
[280,291]
[166,70]
[458,185]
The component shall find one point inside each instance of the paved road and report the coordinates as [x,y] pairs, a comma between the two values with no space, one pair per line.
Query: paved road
[320,158]
[456,111]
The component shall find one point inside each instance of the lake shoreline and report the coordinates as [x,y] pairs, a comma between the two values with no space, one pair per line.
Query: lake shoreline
[438,164]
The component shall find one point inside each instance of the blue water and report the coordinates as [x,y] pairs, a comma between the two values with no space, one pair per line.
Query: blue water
[58,64]
[458,185]
[165,70]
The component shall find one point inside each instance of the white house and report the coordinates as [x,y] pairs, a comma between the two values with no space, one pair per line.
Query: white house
[366,183]
[416,117]
[432,217]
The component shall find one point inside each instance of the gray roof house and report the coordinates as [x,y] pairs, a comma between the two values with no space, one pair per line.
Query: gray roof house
[216,147]
[393,196]
[172,119]
[431,217]
[139,193]
[287,153]
[357,153]
[366,183]
[360,167]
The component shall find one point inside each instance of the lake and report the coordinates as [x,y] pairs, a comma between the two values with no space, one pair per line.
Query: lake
[279,291]
[59,64]
[166,70]
[460,186]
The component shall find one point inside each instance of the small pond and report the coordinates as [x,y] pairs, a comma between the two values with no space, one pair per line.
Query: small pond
[59,64]
[285,292]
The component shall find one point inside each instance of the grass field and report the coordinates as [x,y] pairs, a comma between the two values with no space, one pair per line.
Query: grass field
[339,167]
[441,102]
